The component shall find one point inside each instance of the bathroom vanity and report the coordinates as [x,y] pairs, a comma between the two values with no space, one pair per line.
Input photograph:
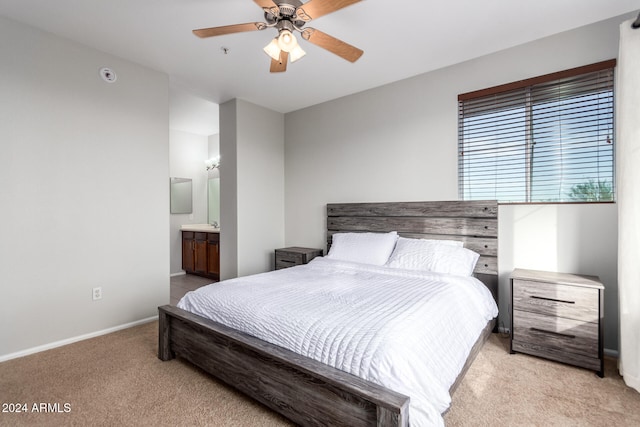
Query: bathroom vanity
[201,250]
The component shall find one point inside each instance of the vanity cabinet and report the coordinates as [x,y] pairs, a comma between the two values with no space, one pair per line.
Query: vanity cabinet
[213,255]
[201,253]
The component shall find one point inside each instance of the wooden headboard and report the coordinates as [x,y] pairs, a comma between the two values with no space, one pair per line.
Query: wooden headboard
[473,222]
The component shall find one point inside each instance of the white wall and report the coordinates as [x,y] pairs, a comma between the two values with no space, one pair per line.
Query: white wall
[84,196]
[399,143]
[213,186]
[187,153]
[213,145]
[567,238]
[228,190]
[251,187]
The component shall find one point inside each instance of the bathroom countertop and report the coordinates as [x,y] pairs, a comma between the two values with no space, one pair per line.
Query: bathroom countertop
[207,228]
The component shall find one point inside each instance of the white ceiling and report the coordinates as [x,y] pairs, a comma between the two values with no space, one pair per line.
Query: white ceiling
[190,113]
[400,39]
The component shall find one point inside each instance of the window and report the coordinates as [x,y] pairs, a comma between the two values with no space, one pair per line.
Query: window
[548,139]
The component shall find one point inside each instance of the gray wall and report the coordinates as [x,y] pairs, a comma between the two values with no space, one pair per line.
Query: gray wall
[251,187]
[84,196]
[399,143]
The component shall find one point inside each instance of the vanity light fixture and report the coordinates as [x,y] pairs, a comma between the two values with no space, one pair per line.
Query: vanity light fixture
[213,163]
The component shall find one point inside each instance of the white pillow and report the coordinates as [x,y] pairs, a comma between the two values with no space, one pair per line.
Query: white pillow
[366,248]
[433,255]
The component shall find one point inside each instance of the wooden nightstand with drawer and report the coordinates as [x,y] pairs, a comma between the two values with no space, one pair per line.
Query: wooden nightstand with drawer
[558,316]
[288,257]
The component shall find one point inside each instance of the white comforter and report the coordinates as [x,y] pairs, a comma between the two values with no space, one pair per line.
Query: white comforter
[408,331]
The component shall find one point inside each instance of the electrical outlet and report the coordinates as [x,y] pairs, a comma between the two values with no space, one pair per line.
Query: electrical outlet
[97,293]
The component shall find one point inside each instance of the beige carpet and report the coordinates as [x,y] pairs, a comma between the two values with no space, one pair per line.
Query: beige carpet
[116,380]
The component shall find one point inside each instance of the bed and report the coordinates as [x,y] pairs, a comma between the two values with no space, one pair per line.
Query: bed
[304,389]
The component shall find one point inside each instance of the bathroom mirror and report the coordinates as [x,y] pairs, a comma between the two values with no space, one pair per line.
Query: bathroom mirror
[213,198]
[181,195]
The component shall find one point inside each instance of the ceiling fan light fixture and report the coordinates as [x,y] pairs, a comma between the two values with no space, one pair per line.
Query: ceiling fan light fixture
[273,49]
[287,41]
[296,53]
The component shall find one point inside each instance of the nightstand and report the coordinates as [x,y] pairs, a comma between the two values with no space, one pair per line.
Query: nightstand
[288,257]
[558,316]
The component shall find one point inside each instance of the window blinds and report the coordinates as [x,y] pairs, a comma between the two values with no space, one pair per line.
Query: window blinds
[548,139]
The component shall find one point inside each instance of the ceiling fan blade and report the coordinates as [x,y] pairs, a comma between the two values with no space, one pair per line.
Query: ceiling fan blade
[265,4]
[268,5]
[332,44]
[280,66]
[316,8]
[229,29]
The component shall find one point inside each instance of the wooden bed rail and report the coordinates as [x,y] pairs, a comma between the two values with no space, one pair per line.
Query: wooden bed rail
[303,390]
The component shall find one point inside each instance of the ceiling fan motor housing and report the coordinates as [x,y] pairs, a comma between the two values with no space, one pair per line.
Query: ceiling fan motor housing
[286,13]
[287,10]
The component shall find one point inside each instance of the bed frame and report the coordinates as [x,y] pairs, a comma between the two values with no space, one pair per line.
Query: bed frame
[304,390]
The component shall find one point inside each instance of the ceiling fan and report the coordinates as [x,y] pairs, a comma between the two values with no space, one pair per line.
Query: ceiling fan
[288,16]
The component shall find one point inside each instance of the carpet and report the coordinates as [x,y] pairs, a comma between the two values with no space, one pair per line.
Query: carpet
[116,379]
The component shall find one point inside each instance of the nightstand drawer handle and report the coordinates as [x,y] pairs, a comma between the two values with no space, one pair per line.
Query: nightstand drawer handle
[553,299]
[553,333]
[287,261]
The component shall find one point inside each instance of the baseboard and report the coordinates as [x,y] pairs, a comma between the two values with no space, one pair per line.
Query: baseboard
[182,273]
[38,349]
[611,353]
[504,330]
[631,381]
